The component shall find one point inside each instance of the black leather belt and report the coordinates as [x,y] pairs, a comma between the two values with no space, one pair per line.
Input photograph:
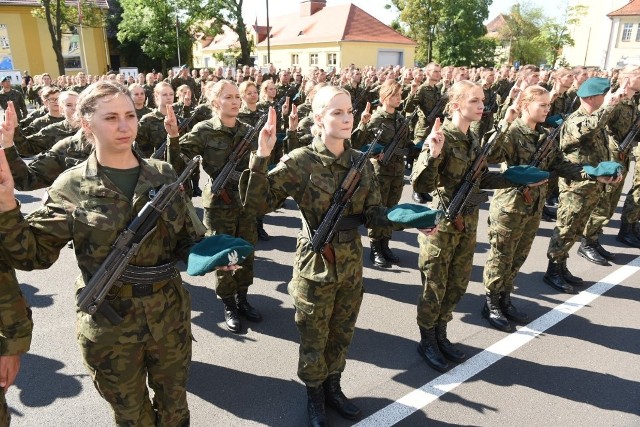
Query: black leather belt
[149,275]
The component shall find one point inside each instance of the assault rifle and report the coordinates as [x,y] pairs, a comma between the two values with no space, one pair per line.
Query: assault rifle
[183,124]
[470,183]
[628,139]
[433,114]
[321,239]
[401,134]
[358,100]
[488,109]
[92,297]
[538,157]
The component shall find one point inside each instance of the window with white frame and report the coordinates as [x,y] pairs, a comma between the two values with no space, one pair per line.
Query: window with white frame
[332,59]
[626,32]
[313,59]
[295,59]
[638,34]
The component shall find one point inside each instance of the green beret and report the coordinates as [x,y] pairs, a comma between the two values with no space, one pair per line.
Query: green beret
[604,169]
[594,86]
[377,149]
[525,174]
[415,216]
[554,121]
[216,251]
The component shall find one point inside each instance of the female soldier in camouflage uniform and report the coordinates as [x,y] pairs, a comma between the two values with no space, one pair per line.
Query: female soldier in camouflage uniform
[90,204]
[151,132]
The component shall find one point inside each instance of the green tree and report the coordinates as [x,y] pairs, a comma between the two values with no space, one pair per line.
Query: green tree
[554,34]
[420,18]
[522,29]
[152,24]
[63,19]
[209,16]
[460,33]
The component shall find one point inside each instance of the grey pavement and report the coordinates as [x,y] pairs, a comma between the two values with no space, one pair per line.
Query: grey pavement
[583,371]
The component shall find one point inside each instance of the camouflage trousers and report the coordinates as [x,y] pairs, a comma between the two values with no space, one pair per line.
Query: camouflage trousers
[5,415]
[326,314]
[390,193]
[120,373]
[577,201]
[631,207]
[445,263]
[603,211]
[236,222]
[511,235]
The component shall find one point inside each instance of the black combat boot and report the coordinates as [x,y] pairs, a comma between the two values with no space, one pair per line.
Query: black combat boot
[231,315]
[449,350]
[493,313]
[627,236]
[421,198]
[554,278]
[567,276]
[315,407]
[548,214]
[335,398]
[246,309]
[386,252]
[262,233]
[602,251]
[376,255]
[429,350]
[589,252]
[510,311]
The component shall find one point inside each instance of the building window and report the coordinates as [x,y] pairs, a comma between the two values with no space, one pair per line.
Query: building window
[638,34]
[626,32]
[332,59]
[313,59]
[295,60]
[265,61]
[4,42]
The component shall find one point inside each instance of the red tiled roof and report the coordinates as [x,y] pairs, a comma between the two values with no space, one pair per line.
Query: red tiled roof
[331,24]
[228,39]
[496,24]
[102,4]
[630,9]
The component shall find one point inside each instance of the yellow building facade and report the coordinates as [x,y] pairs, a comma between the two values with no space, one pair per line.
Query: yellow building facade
[25,44]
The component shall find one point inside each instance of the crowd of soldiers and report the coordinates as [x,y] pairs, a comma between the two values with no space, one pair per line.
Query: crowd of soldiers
[439,118]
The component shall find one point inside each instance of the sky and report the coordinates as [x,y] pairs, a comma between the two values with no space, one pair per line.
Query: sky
[253,8]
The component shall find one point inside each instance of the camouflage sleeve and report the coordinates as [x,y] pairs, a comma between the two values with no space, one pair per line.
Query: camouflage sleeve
[37,143]
[375,215]
[503,147]
[492,180]
[265,193]
[291,141]
[15,315]
[580,127]
[559,165]
[144,138]
[424,176]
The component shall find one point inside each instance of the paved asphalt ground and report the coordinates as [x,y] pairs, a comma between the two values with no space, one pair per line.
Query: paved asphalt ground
[582,371]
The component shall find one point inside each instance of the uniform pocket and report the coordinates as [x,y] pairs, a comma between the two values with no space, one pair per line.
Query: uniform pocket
[300,292]
[94,228]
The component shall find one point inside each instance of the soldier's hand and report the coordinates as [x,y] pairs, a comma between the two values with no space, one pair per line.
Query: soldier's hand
[366,114]
[538,184]
[7,198]
[171,123]
[428,231]
[414,86]
[515,90]
[285,107]
[435,140]
[9,367]
[293,118]
[511,114]
[7,128]
[267,138]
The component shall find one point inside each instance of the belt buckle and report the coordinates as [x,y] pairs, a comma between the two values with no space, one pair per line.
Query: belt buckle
[141,289]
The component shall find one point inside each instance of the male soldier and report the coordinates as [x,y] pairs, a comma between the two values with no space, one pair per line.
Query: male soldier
[15,334]
[431,103]
[485,124]
[502,86]
[43,140]
[81,84]
[359,95]
[284,86]
[271,74]
[583,141]
[51,98]
[9,94]
[580,74]
[148,90]
[184,78]
[619,124]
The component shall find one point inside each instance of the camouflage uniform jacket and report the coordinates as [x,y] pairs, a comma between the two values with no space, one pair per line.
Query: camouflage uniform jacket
[46,166]
[18,102]
[446,172]
[214,142]
[201,113]
[45,139]
[619,124]
[392,122]
[35,114]
[143,112]
[15,315]
[82,205]
[311,175]
[148,91]
[584,139]
[518,147]
[78,88]
[151,133]
[289,90]
[425,98]
[562,105]
[41,123]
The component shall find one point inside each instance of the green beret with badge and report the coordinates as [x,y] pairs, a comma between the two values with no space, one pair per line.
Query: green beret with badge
[414,216]
[607,168]
[525,174]
[217,251]
[593,87]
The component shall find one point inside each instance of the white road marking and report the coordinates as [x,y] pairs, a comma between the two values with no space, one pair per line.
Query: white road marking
[428,393]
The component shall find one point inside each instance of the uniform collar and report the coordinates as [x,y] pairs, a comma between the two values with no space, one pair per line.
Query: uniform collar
[327,158]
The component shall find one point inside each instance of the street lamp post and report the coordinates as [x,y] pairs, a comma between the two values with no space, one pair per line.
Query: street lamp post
[178,35]
[268,36]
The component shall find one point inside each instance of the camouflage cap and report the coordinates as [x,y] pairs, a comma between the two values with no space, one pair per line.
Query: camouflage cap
[414,216]
[604,169]
[217,251]
[594,86]
[525,174]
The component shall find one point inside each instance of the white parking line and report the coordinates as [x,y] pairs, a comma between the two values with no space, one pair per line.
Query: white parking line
[419,398]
